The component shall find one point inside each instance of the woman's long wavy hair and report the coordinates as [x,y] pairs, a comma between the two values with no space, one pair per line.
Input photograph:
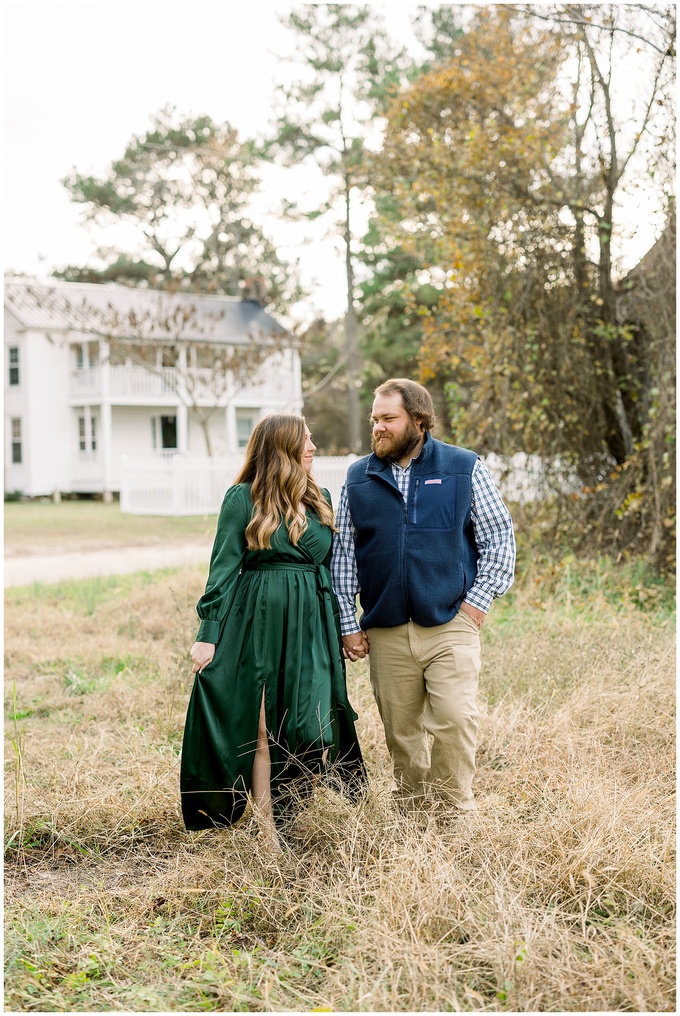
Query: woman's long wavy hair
[280,483]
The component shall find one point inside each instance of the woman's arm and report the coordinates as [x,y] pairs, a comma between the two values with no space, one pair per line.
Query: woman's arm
[225,564]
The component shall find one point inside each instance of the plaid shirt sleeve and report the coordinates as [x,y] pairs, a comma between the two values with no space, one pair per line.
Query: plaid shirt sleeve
[344,566]
[495,541]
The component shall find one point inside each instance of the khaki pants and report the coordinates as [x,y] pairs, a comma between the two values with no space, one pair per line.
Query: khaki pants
[425,682]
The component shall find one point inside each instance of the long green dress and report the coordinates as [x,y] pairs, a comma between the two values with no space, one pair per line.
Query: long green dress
[274,620]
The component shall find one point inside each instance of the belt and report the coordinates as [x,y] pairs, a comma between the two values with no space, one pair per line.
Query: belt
[323,575]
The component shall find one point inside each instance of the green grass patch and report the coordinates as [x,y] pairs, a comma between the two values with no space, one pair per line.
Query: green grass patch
[588,590]
[43,527]
[83,596]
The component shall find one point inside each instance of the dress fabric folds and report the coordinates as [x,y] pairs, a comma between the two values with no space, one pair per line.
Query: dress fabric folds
[274,619]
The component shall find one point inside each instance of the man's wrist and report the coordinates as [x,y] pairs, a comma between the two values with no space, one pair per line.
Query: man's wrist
[479,598]
[348,629]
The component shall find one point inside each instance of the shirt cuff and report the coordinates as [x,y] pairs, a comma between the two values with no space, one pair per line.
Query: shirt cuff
[479,598]
[348,617]
[209,631]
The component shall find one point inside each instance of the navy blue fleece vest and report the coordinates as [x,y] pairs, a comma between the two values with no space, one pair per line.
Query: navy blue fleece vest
[415,561]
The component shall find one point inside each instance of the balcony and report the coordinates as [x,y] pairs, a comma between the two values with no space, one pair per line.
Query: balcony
[86,383]
[136,385]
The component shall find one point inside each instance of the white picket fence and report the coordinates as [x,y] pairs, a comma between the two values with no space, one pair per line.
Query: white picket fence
[180,485]
[188,485]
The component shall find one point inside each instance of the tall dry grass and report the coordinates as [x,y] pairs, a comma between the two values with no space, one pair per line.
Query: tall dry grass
[556,895]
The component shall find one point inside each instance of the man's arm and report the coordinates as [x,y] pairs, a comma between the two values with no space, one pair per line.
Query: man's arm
[346,580]
[495,541]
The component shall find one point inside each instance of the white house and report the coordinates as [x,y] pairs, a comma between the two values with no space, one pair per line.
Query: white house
[95,373]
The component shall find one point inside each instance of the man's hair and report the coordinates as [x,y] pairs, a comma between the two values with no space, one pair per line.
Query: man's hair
[417,400]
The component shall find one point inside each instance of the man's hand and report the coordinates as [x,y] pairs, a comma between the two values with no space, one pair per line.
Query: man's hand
[355,646]
[477,615]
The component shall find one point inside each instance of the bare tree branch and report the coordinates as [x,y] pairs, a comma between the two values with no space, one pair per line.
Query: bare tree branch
[534,12]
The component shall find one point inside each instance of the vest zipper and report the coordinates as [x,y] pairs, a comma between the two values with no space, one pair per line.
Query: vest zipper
[415,502]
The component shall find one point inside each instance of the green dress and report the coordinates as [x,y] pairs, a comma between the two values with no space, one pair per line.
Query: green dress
[274,620]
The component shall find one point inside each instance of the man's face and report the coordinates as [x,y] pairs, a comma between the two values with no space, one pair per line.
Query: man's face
[395,434]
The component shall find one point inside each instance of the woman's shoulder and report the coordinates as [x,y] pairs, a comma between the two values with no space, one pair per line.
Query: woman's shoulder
[239,490]
[238,495]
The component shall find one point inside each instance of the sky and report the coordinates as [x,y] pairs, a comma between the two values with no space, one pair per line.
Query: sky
[82,78]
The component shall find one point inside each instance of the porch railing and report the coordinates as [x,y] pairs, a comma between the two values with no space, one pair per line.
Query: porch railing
[138,383]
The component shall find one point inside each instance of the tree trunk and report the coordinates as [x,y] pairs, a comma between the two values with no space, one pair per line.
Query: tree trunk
[351,343]
[205,427]
[352,348]
[621,439]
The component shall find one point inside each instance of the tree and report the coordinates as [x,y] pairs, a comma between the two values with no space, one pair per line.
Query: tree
[184,189]
[393,300]
[329,116]
[324,384]
[508,162]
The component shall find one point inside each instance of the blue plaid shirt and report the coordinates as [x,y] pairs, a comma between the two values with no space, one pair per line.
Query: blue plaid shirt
[494,536]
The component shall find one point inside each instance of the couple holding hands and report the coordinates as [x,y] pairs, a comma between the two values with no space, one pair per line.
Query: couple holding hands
[423,536]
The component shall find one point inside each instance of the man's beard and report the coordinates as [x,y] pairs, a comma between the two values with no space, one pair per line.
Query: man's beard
[395,448]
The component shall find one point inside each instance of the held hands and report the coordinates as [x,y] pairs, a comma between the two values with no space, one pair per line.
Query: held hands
[201,653]
[355,646]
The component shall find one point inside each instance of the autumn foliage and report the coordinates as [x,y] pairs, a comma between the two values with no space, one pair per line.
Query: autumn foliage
[490,155]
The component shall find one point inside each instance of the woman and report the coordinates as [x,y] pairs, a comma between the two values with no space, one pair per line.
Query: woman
[269,705]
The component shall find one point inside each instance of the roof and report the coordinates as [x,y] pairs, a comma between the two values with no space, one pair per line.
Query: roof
[123,312]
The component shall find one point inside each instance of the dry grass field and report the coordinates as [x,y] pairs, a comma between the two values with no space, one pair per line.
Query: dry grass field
[558,894]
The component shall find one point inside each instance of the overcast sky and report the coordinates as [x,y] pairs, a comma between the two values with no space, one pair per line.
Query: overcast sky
[82,78]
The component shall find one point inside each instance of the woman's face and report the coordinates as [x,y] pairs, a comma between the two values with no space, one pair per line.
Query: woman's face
[308,451]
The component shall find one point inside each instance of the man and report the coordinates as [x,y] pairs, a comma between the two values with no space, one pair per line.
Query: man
[424,537]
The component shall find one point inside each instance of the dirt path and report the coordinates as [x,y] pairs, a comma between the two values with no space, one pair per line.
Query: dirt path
[49,568]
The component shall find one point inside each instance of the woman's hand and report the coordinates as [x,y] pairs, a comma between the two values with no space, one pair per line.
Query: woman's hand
[201,653]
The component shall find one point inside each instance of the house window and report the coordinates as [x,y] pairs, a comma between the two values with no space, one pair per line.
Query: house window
[14,365]
[93,353]
[166,426]
[16,441]
[87,432]
[168,431]
[80,357]
[245,422]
